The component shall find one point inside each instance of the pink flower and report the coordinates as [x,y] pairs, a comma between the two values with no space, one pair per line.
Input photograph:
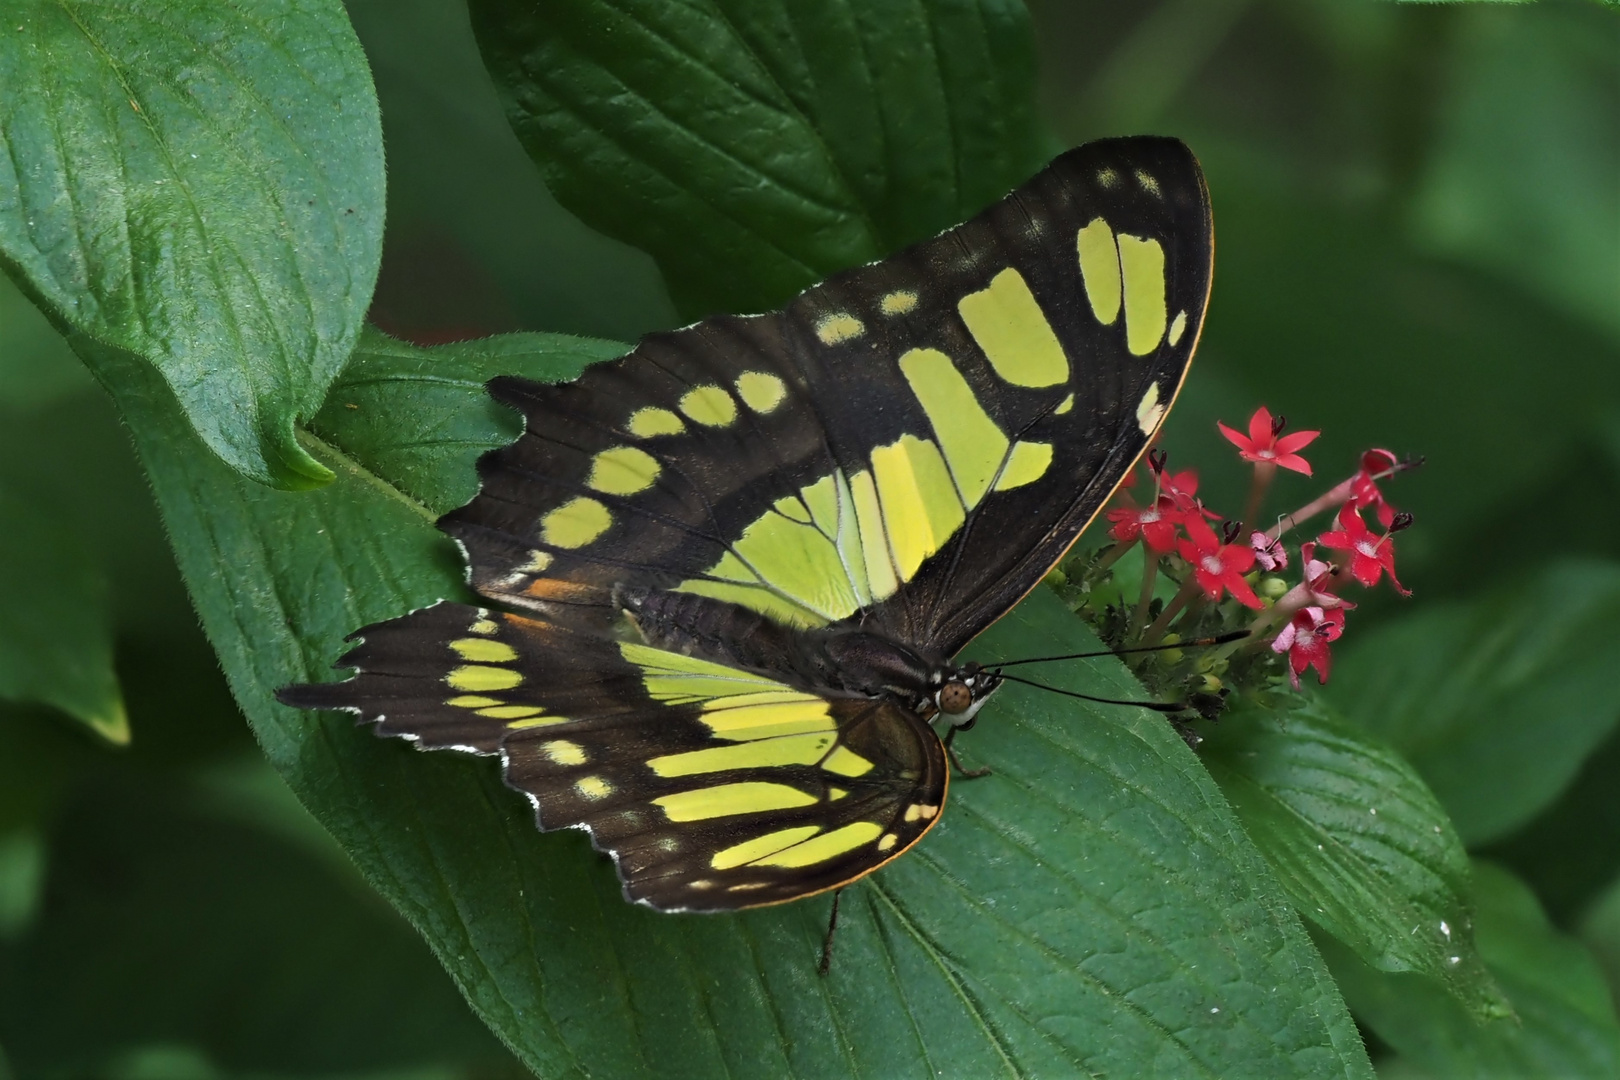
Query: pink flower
[1265,444]
[1320,579]
[1371,555]
[1305,639]
[1218,567]
[1268,553]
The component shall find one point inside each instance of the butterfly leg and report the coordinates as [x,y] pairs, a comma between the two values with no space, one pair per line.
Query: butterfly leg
[826,943]
[967,773]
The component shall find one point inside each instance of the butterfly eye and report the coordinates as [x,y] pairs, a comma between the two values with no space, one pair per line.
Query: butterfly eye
[955,697]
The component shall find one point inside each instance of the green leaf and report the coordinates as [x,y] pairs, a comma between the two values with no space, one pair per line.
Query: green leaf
[1093,906]
[1565,1024]
[200,185]
[171,924]
[754,149]
[1498,701]
[56,621]
[1361,846]
[1599,930]
[22,873]
[1571,851]
[420,416]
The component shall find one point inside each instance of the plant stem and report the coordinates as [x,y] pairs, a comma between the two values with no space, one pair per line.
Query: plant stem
[1264,473]
[1150,574]
[1154,633]
[1257,631]
[1335,496]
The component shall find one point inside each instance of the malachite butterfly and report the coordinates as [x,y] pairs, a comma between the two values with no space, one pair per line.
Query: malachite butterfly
[727,573]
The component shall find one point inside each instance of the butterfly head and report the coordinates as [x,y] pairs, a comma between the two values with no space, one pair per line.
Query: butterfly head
[962,690]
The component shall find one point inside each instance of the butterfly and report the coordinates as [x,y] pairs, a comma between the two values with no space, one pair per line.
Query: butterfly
[727,574]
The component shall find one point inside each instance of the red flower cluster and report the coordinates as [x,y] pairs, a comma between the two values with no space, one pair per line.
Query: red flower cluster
[1158,522]
[1176,523]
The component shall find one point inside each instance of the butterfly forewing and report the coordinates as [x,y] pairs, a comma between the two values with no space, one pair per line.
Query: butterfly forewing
[907,447]
[842,458]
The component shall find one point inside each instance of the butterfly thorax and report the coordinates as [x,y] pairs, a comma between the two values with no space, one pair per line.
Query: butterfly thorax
[843,658]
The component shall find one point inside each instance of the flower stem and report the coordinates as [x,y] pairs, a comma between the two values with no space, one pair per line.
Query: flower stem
[1154,633]
[1335,496]
[1150,574]
[1264,473]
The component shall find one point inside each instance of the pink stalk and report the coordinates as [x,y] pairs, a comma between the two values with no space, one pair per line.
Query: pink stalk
[1264,473]
[1335,496]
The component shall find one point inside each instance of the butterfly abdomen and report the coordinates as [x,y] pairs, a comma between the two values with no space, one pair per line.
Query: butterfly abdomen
[844,658]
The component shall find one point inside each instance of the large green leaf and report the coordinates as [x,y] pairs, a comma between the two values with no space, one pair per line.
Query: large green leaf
[1600,931]
[1360,845]
[1571,851]
[1093,906]
[1565,1023]
[56,620]
[755,148]
[200,185]
[1497,702]
[413,415]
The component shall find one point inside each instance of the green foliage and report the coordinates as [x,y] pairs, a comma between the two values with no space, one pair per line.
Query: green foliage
[755,149]
[956,934]
[1415,211]
[199,185]
[1359,844]
[1563,1022]
[55,625]
[154,874]
[1498,700]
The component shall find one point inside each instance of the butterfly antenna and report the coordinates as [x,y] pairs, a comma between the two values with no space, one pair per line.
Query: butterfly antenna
[1156,706]
[1196,643]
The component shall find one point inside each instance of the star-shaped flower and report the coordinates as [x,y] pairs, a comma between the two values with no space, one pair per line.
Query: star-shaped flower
[1375,465]
[1182,489]
[1371,555]
[1305,639]
[1218,567]
[1156,524]
[1265,444]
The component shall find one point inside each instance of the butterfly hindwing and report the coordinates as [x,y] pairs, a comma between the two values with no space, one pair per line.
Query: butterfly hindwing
[911,444]
[713,788]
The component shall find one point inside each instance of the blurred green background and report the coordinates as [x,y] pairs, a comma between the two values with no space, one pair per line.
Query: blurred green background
[1418,246]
